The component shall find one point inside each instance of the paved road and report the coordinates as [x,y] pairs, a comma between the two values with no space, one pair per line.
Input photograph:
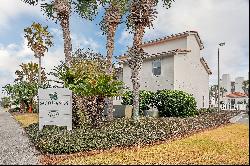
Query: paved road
[15,148]
[242,118]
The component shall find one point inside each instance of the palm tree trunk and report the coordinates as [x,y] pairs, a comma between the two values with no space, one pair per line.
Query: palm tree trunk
[136,88]
[110,50]
[67,40]
[135,71]
[63,9]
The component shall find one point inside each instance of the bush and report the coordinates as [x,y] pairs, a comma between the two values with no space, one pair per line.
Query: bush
[146,99]
[175,103]
[5,102]
[88,79]
[206,110]
[121,132]
[168,102]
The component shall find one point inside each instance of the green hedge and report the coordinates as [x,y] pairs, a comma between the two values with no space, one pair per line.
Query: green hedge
[168,102]
[146,99]
[122,132]
[175,103]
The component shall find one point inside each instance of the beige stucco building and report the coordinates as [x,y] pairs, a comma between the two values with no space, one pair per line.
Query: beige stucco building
[175,62]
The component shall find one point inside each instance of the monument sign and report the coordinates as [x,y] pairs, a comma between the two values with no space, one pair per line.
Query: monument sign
[55,107]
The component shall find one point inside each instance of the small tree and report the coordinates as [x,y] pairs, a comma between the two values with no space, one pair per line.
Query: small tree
[87,78]
[22,94]
[29,72]
[39,40]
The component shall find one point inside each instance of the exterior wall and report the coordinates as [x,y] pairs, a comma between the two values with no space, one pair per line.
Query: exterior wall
[147,80]
[190,75]
[226,83]
[181,72]
[238,84]
[180,43]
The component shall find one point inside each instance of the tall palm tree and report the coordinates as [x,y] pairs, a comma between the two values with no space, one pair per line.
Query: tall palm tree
[141,15]
[111,20]
[39,40]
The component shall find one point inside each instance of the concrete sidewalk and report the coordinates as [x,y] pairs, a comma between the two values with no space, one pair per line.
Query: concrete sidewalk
[15,147]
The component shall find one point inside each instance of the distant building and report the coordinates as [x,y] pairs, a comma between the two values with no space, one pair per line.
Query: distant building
[234,94]
[232,86]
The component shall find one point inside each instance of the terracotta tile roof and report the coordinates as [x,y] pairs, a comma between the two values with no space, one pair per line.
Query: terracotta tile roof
[124,57]
[236,95]
[204,63]
[175,36]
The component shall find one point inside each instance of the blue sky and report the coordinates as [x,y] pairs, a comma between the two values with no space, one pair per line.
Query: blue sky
[216,21]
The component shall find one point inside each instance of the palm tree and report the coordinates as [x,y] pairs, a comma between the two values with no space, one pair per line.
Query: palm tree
[245,87]
[213,92]
[111,20]
[63,11]
[223,91]
[141,15]
[60,10]
[39,40]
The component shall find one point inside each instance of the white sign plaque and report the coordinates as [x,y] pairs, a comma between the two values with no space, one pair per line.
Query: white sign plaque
[55,107]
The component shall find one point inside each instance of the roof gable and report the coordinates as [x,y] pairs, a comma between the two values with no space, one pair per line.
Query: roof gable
[205,65]
[175,36]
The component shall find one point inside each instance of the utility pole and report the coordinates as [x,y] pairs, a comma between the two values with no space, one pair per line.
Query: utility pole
[220,44]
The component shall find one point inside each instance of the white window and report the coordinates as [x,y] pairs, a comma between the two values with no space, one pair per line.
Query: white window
[156,67]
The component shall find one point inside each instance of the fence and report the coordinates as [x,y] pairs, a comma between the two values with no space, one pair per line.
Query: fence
[117,100]
[229,106]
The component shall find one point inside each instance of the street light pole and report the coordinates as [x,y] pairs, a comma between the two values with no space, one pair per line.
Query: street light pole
[220,44]
[218,79]
[40,72]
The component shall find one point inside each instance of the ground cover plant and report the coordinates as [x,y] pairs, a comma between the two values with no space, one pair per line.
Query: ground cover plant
[224,145]
[122,132]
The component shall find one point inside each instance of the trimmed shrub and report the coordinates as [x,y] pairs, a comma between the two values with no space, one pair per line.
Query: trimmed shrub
[122,132]
[168,102]
[206,110]
[146,99]
[175,103]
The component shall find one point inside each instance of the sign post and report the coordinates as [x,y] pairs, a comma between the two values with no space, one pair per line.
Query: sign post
[55,107]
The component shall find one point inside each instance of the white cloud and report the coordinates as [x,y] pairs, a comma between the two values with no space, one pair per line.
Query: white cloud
[56,32]
[125,38]
[79,41]
[216,21]
[12,55]
[10,9]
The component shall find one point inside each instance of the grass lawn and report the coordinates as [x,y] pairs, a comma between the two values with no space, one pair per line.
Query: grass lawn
[224,145]
[26,119]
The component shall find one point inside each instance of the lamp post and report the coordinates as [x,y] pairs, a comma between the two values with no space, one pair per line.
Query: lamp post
[220,45]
